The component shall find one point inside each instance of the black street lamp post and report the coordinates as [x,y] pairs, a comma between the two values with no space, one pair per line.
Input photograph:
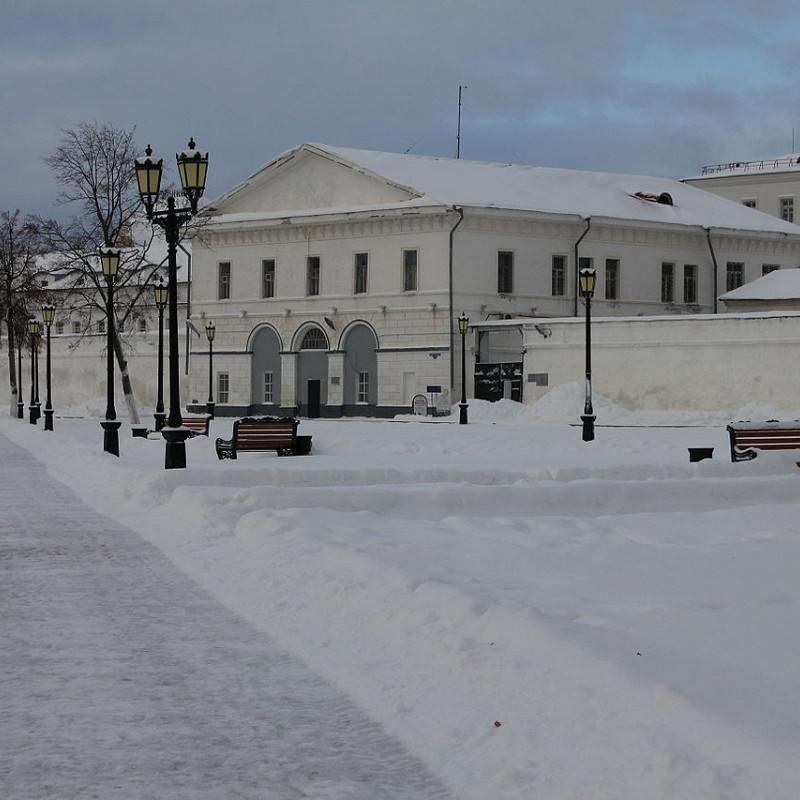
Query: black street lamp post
[109,260]
[34,408]
[48,315]
[587,279]
[20,401]
[161,296]
[463,325]
[211,332]
[192,168]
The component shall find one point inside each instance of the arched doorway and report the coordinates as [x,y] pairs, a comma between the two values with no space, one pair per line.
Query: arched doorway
[265,370]
[312,371]
[360,390]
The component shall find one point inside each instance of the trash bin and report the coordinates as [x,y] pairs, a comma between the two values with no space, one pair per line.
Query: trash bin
[302,446]
[700,453]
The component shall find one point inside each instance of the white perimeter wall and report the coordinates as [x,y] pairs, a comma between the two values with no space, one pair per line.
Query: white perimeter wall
[673,363]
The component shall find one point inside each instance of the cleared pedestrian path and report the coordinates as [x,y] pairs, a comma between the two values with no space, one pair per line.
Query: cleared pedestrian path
[122,679]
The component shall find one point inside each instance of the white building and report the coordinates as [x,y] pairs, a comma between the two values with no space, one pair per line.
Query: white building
[771,185]
[335,276]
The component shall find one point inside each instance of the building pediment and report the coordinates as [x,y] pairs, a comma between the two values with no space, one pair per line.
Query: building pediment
[310,178]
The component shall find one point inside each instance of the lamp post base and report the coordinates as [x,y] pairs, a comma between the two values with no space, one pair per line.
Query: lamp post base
[111,436]
[588,427]
[20,410]
[34,413]
[462,413]
[48,418]
[175,456]
[210,408]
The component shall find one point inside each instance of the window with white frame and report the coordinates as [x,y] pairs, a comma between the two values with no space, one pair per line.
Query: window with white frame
[690,283]
[558,276]
[360,268]
[362,394]
[312,276]
[505,272]
[667,282]
[76,327]
[750,202]
[410,264]
[223,387]
[60,327]
[734,275]
[224,280]
[101,326]
[268,277]
[612,279]
[787,209]
[142,326]
[268,387]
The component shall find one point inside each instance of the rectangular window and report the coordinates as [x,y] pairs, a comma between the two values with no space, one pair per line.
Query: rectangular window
[59,327]
[787,209]
[360,274]
[690,283]
[505,272]
[142,326]
[667,282]
[363,387]
[767,268]
[101,326]
[612,278]
[268,385]
[76,327]
[223,387]
[268,277]
[224,280]
[558,276]
[734,275]
[410,262]
[750,203]
[312,276]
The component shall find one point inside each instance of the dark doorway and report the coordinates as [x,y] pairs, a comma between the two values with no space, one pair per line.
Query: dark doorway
[314,394]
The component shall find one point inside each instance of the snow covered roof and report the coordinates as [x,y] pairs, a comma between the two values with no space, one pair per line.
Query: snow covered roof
[458,182]
[781,284]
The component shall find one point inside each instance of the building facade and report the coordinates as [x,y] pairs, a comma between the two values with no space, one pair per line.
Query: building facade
[334,276]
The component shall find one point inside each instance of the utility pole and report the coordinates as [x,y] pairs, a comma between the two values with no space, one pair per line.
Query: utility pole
[458,132]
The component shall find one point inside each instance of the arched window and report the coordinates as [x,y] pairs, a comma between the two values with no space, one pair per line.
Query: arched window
[314,339]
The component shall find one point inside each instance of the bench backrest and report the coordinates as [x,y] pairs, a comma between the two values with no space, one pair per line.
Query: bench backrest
[196,423]
[264,434]
[766,438]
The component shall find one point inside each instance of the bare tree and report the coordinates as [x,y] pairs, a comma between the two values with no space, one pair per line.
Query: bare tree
[20,295]
[93,163]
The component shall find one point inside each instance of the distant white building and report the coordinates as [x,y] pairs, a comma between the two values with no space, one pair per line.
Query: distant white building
[335,276]
[771,185]
[775,291]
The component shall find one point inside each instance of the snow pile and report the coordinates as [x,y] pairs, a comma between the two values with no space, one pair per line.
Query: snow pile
[533,615]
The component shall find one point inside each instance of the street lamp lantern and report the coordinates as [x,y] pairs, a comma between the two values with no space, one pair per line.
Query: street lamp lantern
[48,315]
[34,327]
[211,332]
[193,168]
[463,326]
[109,261]
[161,297]
[148,177]
[587,278]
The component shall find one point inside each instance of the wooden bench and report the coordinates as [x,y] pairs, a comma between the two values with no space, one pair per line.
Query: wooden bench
[748,437]
[197,425]
[260,434]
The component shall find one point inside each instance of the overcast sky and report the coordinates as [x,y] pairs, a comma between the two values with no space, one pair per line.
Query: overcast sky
[642,86]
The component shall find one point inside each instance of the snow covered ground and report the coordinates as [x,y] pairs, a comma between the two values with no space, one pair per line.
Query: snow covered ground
[532,615]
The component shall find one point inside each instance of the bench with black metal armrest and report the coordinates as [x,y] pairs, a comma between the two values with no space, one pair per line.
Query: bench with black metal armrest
[261,434]
[197,425]
[749,437]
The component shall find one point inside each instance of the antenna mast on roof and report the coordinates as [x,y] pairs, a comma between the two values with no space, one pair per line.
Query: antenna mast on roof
[458,132]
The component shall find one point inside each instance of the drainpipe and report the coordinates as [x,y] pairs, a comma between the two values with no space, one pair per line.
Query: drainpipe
[588,222]
[716,267]
[460,212]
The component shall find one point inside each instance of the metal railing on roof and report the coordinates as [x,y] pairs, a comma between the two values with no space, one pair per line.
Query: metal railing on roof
[787,162]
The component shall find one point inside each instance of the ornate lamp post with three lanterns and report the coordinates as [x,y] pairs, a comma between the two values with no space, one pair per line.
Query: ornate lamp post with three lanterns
[192,168]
